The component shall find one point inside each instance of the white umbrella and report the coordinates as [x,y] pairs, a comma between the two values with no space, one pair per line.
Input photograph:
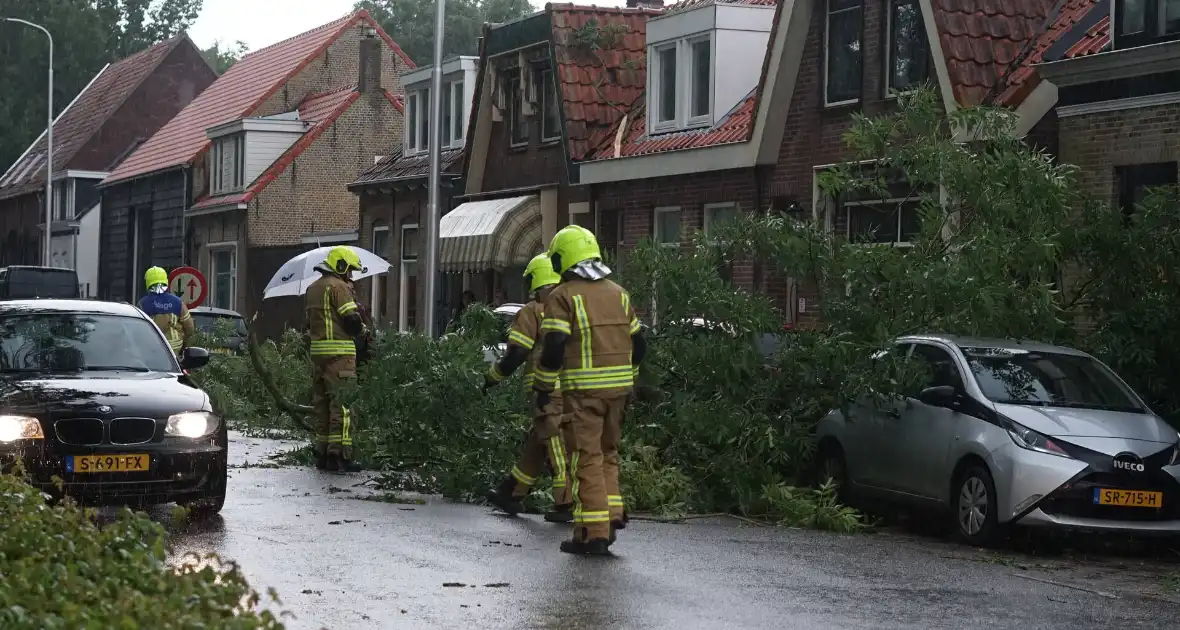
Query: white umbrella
[297,274]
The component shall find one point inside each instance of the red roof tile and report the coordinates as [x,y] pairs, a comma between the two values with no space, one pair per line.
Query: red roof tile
[598,88]
[1063,30]
[85,116]
[244,87]
[733,127]
[981,39]
[320,109]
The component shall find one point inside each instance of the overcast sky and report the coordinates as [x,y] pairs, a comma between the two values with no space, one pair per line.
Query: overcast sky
[261,23]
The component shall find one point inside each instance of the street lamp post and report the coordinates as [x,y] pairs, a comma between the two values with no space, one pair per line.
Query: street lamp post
[433,212]
[48,142]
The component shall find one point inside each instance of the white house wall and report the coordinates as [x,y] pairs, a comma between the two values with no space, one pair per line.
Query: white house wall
[735,71]
[86,250]
[263,148]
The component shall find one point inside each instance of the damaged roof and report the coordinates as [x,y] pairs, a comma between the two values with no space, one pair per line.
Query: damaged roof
[1079,28]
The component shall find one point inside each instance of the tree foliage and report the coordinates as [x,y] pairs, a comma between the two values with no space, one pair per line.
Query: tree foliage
[62,569]
[411,23]
[87,34]
[221,56]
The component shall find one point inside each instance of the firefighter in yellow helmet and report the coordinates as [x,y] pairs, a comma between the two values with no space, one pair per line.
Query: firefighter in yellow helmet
[593,345]
[544,441]
[333,323]
[167,310]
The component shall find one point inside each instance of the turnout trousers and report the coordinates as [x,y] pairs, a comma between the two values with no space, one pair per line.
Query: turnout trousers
[545,444]
[596,425]
[333,423]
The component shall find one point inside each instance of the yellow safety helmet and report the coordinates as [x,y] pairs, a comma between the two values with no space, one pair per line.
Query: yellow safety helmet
[155,276]
[539,273]
[571,245]
[343,259]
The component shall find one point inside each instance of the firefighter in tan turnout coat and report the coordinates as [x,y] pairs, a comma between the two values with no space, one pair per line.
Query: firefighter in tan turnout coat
[544,442]
[593,345]
[333,323]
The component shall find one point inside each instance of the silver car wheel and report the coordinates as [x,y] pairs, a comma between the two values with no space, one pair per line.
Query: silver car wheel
[973,501]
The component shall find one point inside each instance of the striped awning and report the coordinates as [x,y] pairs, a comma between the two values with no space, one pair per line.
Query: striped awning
[490,234]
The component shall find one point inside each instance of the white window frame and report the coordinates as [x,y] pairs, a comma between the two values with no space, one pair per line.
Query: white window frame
[827,57]
[212,249]
[685,85]
[516,105]
[458,119]
[658,125]
[893,201]
[690,81]
[418,106]
[375,296]
[706,221]
[236,176]
[819,199]
[413,111]
[63,199]
[889,44]
[548,89]
[403,296]
[655,226]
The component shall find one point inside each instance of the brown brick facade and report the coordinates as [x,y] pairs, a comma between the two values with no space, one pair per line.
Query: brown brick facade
[1099,143]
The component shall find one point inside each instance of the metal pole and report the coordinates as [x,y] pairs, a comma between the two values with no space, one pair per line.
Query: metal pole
[48,142]
[433,213]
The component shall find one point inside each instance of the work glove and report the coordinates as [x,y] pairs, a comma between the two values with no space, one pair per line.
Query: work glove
[542,399]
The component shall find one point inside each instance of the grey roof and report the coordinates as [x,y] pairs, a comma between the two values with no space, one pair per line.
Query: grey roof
[396,167]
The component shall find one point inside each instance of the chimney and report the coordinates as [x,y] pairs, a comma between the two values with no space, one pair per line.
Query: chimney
[370,61]
[645,4]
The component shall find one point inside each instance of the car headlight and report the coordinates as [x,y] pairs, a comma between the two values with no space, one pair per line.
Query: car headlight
[13,428]
[193,424]
[1026,438]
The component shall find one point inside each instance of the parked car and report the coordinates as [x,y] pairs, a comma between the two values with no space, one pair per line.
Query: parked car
[210,319]
[1009,433]
[90,392]
[20,282]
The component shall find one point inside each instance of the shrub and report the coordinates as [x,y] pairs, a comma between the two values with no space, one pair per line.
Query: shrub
[61,570]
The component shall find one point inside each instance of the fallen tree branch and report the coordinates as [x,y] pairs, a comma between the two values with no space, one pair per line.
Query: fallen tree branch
[297,412]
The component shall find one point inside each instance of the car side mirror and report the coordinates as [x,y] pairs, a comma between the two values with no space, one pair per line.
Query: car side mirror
[940,396]
[194,358]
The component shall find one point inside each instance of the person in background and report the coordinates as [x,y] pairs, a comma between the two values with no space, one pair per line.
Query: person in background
[544,441]
[167,310]
[333,324]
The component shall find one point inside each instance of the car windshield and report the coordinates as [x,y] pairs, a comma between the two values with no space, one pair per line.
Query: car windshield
[208,323]
[75,342]
[1048,379]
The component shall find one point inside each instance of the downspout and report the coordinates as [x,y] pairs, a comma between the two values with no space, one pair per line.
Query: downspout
[759,181]
[185,172]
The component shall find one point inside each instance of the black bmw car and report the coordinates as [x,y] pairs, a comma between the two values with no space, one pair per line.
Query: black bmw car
[91,393]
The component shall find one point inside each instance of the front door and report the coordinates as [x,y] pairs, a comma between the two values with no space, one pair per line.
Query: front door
[921,435]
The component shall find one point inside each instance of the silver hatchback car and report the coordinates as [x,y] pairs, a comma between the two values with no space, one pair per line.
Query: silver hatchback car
[1010,433]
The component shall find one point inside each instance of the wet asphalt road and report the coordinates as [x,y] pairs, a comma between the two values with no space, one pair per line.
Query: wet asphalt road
[342,563]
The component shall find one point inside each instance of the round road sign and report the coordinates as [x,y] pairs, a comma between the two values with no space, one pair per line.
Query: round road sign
[190,285]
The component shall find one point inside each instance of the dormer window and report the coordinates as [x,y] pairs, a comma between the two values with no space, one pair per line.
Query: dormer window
[550,107]
[518,123]
[682,84]
[1141,22]
[452,115]
[227,164]
[417,129]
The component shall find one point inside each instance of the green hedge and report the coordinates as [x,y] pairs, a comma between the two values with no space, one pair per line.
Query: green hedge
[59,569]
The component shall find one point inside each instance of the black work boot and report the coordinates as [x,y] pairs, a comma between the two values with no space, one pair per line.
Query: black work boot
[594,547]
[560,514]
[621,523]
[338,463]
[502,497]
[321,461]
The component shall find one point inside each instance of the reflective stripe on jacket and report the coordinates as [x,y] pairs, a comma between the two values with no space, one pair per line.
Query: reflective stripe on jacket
[327,301]
[599,319]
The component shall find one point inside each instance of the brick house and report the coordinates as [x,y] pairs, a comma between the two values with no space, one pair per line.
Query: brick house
[253,171]
[549,88]
[126,102]
[1118,87]
[394,192]
[713,135]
